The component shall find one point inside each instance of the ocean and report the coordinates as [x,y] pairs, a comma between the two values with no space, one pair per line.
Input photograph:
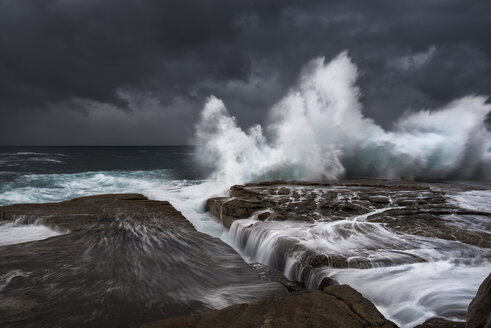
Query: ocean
[50,174]
[442,285]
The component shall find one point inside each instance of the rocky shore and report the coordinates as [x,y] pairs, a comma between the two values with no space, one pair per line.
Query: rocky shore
[309,230]
[479,314]
[406,207]
[335,306]
[402,207]
[123,260]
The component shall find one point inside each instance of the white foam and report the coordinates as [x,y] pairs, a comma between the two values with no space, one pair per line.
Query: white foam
[188,196]
[477,200]
[12,233]
[318,132]
[405,290]
[411,294]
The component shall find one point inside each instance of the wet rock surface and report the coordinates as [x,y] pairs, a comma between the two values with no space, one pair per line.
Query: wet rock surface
[406,208]
[313,202]
[270,274]
[122,260]
[417,250]
[335,306]
[441,323]
[479,313]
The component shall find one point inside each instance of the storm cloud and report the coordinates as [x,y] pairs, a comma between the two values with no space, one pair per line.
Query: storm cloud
[138,72]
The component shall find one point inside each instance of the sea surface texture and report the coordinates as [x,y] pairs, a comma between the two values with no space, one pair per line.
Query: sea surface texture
[441,284]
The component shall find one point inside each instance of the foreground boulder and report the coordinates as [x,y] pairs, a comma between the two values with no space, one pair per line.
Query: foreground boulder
[479,313]
[122,260]
[335,306]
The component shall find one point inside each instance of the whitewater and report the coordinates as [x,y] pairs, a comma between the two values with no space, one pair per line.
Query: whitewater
[317,132]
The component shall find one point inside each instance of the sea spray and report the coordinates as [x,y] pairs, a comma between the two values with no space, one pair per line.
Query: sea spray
[318,132]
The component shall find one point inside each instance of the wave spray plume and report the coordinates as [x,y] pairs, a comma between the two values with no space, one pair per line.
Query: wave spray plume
[318,132]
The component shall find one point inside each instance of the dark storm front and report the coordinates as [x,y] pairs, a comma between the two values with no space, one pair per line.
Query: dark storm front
[336,143]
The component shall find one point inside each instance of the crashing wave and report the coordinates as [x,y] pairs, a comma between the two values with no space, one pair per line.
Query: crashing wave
[318,132]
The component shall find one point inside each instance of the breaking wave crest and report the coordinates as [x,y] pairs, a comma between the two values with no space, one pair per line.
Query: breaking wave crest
[318,132]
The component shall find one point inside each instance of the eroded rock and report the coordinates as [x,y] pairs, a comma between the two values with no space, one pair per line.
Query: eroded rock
[479,312]
[403,207]
[121,261]
[441,323]
[335,306]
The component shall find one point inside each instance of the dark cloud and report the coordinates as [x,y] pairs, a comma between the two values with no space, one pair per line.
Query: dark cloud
[137,72]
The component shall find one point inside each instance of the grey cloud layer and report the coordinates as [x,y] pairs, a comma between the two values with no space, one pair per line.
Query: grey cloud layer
[66,65]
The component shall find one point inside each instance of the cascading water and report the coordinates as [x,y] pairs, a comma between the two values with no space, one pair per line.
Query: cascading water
[410,276]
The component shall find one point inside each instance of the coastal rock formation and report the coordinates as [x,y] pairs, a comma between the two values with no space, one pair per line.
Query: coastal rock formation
[479,313]
[431,236]
[335,306]
[403,207]
[270,274]
[121,260]
[309,202]
[441,323]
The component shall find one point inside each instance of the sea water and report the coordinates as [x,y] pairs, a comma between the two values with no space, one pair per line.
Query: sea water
[317,131]
[407,294]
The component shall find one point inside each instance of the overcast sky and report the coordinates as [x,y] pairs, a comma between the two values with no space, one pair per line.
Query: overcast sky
[120,72]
